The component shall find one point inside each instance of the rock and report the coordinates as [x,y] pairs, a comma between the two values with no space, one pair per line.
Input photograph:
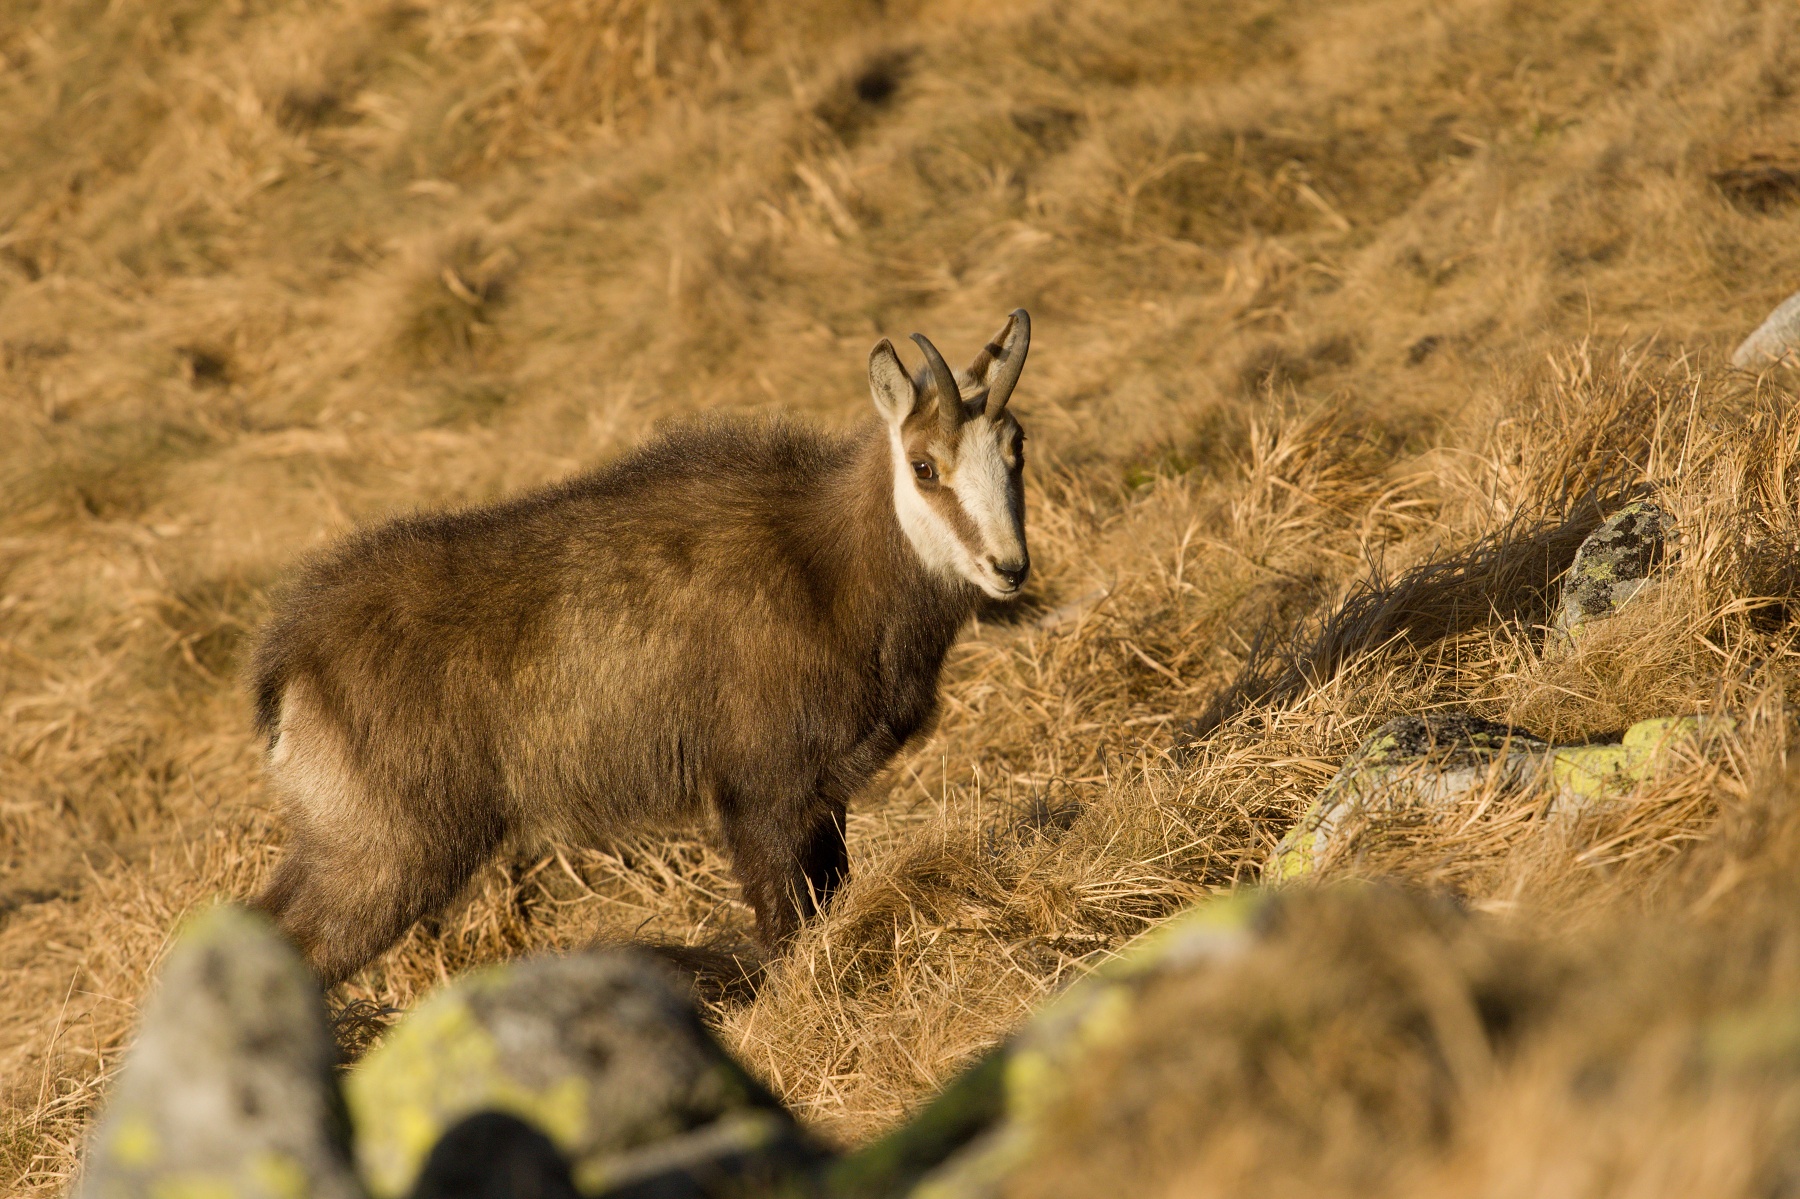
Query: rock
[1427,760]
[973,1103]
[1614,565]
[1775,339]
[1436,759]
[745,1155]
[967,1142]
[600,1051]
[492,1155]
[229,1091]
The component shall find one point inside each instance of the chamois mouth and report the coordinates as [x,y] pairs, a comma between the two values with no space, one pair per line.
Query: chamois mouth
[1004,586]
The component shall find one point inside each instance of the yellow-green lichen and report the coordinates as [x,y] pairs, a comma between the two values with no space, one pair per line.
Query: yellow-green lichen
[194,1186]
[279,1176]
[1590,772]
[435,1068]
[133,1142]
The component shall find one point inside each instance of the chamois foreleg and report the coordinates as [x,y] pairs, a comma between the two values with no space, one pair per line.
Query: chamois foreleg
[789,859]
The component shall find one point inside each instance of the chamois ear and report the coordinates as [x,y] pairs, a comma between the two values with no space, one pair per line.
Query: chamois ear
[996,368]
[889,384]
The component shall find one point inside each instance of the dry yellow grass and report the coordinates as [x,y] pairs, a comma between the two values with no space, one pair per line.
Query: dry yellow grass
[1321,293]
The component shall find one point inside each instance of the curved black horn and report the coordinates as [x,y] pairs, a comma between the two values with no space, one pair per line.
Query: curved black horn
[950,409]
[1001,389]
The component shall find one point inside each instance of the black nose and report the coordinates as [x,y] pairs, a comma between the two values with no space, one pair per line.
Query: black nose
[1014,575]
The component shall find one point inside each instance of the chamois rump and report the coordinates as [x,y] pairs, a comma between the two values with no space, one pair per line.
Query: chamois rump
[746,618]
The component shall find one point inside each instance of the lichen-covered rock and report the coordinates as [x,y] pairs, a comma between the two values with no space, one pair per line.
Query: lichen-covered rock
[600,1051]
[1775,339]
[492,1155]
[1438,758]
[229,1091]
[1584,774]
[1452,738]
[1411,760]
[1615,564]
[750,1154]
[976,1134]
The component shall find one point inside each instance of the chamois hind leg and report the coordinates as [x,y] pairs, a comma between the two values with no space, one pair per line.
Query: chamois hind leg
[343,903]
[788,863]
[364,860]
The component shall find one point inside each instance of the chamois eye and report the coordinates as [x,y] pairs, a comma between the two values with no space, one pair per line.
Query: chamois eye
[926,472]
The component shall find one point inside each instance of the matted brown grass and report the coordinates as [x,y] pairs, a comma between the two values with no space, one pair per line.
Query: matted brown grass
[1324,295]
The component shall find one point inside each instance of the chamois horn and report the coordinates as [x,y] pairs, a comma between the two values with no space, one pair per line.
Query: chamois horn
[1015,343]
[950,409]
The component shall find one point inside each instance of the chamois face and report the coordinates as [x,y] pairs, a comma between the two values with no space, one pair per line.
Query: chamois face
[958,468]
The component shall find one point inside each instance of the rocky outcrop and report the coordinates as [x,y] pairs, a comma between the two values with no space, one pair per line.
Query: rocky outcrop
[230,1089]
[1024,1081]
[598,1050]
[588,1074]
[590,1071]
[1437,758]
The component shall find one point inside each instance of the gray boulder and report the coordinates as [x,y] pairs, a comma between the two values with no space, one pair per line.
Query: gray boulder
[1775,339]
[230,1089]
[600,1051]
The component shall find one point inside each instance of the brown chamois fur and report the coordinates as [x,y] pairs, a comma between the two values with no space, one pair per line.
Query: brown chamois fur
[730,619]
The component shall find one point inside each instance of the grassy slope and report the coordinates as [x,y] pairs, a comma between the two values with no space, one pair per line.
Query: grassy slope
[1311,285]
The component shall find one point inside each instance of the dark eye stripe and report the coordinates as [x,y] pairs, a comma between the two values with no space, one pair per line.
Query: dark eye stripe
[951,509]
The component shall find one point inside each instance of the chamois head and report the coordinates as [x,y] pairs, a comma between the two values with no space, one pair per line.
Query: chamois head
[959,457]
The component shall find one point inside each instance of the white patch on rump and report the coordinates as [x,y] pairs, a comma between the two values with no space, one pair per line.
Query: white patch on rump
[311,770]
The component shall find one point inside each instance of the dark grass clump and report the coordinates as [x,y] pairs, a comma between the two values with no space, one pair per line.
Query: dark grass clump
[1506,577]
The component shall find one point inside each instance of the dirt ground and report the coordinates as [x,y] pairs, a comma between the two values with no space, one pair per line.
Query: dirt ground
[1320,293]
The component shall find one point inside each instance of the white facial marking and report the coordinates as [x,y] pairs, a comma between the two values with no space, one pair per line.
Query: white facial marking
[980,479]
[982,482]
[932,539]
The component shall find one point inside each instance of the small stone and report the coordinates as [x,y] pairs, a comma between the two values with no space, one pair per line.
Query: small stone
[600,1051]
[1774,340]
[1613,566]
[230,1090]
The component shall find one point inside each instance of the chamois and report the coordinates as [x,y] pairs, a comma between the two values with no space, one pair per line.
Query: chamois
[742,618]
